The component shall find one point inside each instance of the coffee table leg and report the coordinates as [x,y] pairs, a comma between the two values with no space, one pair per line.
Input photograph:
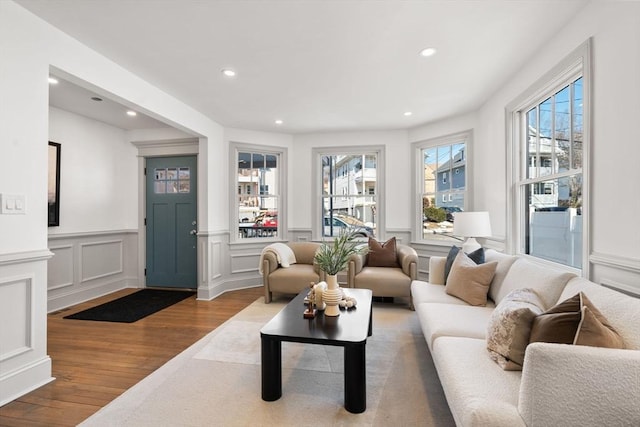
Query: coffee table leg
[271,369]
[355,381]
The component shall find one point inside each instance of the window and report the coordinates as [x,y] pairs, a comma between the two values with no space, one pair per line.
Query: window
[441,192]
[349,193]
[256,210]
[548,142]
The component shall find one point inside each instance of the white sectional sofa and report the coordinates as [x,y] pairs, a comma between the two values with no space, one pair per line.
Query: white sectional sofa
[559,384]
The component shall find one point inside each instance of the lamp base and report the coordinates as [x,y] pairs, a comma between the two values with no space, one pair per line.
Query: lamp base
[470,245]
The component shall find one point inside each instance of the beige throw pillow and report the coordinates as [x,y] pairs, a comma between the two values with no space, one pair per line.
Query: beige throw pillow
[510,326]
[469,281]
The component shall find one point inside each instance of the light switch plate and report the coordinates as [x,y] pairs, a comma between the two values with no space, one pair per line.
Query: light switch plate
[12,204]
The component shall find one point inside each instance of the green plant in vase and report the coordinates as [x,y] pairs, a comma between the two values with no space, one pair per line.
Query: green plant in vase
[332,257]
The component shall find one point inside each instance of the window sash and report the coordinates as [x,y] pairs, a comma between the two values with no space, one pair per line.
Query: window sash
[442,170]
[576,67]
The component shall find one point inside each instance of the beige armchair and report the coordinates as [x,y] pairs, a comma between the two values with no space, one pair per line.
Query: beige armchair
[296,277]
[385,281]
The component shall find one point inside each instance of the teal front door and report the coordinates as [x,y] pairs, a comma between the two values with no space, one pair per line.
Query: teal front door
[171,213]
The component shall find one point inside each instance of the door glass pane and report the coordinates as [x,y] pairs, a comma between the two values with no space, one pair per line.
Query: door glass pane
[159,187]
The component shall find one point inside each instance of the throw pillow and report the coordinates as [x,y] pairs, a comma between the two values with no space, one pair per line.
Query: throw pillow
[469,281]
[510,326]
[575,321]
[382,255]
[477,256]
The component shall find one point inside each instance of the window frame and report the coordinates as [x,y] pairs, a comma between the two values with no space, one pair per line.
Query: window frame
[577,63]
[317,228]
[234,208]
[465,136]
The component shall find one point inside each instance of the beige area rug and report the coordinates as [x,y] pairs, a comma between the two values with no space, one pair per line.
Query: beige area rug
[216,381]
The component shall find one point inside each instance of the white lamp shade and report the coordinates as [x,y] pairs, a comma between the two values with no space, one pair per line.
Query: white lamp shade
[471,224]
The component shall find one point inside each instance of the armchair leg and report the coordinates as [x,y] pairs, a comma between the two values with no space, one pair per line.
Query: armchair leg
[267,297]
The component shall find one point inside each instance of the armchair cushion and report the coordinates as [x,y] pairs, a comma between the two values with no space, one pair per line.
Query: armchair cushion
[382,255]
[297,276]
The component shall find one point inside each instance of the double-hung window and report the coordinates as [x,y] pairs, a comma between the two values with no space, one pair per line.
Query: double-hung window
[257,208]
[442,170]
[348,190]
[548,146]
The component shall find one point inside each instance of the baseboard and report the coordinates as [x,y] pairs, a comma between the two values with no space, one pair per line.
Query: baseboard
[207,294]
[35,374]
[62,301]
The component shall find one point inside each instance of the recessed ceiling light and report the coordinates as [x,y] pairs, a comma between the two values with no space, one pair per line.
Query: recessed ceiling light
[96,98]
[228,72]
[279,122]
[430,51]
[132,113]
[53,81]
[408,113]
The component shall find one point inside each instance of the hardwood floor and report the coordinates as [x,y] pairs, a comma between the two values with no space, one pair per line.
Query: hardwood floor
[95,362]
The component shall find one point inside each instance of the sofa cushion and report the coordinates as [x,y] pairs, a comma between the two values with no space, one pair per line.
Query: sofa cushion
[447,320]
[575,321]
[382,254]
[477,256]
[478,392]
[428,292]
[622,311]
[504,264]
[469,281]
[510,326]
[525,274]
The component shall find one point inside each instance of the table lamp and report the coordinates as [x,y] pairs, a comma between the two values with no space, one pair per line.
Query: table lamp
[471,225]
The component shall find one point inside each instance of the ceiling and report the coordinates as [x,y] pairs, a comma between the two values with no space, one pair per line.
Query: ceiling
[317,65]
[71,97]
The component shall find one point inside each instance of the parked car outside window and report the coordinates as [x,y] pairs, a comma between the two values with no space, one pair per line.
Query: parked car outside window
[345,222]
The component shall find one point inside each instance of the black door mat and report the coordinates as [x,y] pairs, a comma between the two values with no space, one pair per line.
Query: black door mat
[133,307]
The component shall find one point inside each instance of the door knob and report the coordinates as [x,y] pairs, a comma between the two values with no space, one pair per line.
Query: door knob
[193,232]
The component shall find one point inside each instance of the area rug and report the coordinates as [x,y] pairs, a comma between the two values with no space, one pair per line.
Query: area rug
[132,307]
[216,382]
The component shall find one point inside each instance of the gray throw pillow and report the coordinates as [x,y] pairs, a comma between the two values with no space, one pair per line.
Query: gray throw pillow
[477,256]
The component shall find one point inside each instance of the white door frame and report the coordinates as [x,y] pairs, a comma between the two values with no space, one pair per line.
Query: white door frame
[164,148]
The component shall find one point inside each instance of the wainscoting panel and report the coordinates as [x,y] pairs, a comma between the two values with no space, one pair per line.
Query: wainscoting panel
[16,301]
[24,364]
[101,259]
[60,271]
[245,262]
[616,272]
[89,265]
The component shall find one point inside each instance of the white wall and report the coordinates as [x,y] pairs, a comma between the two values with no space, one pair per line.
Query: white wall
[615,29]
[98,169]
[29,48]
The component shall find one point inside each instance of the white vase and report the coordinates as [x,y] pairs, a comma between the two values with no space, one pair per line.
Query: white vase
[332,296]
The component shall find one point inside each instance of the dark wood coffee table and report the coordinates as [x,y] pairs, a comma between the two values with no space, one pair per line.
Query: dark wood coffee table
[349,330]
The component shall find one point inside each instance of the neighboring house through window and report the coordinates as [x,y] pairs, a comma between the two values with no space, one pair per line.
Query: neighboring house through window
[548,154]
[257,209]
[442,167]
[348,190]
